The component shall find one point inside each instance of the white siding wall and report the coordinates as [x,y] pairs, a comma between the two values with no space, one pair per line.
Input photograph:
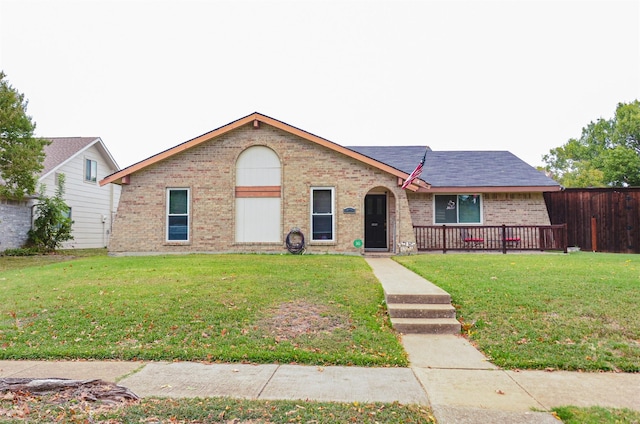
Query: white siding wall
[88,201]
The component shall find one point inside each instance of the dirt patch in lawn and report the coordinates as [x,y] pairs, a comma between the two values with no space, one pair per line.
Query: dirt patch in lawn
[294,319]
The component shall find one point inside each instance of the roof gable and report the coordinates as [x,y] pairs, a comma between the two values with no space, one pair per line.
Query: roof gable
[63,149]
[121,177]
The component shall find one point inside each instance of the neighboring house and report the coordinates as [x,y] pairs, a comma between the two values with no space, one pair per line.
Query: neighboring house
[244,186]
[15,222]
[84,161]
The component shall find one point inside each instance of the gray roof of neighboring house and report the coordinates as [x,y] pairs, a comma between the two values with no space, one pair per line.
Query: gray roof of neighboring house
[460,168]
[61,149]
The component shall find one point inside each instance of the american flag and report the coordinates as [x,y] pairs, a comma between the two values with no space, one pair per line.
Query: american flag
[416,172]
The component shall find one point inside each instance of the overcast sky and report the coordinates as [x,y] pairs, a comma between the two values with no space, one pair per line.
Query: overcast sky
[523,76]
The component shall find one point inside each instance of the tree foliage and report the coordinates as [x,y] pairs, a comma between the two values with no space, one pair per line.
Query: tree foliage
[52,226]
[606,154]
[21,154]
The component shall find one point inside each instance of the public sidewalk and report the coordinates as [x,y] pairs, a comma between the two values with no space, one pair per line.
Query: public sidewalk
[446,373]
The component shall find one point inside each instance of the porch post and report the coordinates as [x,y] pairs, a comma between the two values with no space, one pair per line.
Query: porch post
[444,238]
[504,239]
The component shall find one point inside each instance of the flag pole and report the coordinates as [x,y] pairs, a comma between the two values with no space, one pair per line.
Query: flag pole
[416,172]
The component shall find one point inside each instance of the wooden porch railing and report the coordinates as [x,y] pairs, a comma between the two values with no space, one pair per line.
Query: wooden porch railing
[491,237]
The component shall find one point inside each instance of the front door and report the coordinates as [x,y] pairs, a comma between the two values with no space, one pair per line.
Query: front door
[375,221]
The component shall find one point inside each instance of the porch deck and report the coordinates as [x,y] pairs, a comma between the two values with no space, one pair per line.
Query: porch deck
[491,237]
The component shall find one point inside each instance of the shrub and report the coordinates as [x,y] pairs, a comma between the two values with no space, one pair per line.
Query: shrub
[52,226]
[21,251]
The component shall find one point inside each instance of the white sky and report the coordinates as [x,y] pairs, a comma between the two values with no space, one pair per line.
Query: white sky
[523,76]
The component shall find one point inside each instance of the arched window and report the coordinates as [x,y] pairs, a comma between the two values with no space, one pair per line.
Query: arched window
[258,196]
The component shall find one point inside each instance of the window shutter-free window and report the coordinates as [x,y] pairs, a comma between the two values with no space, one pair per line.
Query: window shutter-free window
[91,171]
[469,209]
[458,209]
[322,214]
[446,209]
[178,214]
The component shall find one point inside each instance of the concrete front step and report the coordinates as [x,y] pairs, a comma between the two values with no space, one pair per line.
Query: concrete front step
[415,304]
[426,325]
[429,298]
[420,310]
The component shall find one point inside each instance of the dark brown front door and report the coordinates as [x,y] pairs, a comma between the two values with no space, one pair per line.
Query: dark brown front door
[375,221]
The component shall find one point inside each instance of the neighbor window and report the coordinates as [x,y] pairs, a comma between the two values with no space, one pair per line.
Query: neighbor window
[178,214]
[91,171]
[458,209]
[65,214]
[322,222]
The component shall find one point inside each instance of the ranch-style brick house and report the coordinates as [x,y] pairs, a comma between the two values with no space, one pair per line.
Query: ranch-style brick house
[244,186]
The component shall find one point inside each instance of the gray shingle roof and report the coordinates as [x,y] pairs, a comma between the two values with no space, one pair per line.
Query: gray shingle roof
[460,168]
[63,148]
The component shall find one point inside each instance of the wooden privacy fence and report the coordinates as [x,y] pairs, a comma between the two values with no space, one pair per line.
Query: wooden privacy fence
[491,237]
[598,219]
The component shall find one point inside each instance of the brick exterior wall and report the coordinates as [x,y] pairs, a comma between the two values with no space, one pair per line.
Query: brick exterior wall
[497,209]
[15,222]
[515,209]
[208,170]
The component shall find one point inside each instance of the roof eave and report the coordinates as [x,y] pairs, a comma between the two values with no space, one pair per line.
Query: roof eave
[123,175]
[499,189]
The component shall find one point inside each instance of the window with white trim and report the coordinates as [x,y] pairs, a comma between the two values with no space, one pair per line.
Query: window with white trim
[458,209]
[322,214]
[178,214]
[90,171]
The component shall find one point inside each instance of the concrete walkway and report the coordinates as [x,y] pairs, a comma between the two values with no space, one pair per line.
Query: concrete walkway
[464,387]
[446,373]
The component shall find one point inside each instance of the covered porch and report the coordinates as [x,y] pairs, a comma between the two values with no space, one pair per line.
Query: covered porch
[491,237]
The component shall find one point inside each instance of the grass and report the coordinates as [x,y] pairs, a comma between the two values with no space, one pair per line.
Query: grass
[569,312]
[326,310]
[596,415]
[18,262]
[222,410]
[576,311]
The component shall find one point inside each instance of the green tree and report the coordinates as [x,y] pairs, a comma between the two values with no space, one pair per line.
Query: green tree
[606,154]
[21,154]
[52,226]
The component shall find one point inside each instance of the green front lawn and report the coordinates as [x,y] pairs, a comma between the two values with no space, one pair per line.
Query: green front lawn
[579,311]
[596,415]
[228,308]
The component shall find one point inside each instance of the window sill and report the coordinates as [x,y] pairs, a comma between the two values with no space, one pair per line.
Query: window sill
[257,243]
[323,243]
[177,243]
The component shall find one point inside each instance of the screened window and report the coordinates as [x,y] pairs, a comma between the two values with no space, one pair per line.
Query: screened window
[322,216]
[458,209]
[91,171]
[178,214]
